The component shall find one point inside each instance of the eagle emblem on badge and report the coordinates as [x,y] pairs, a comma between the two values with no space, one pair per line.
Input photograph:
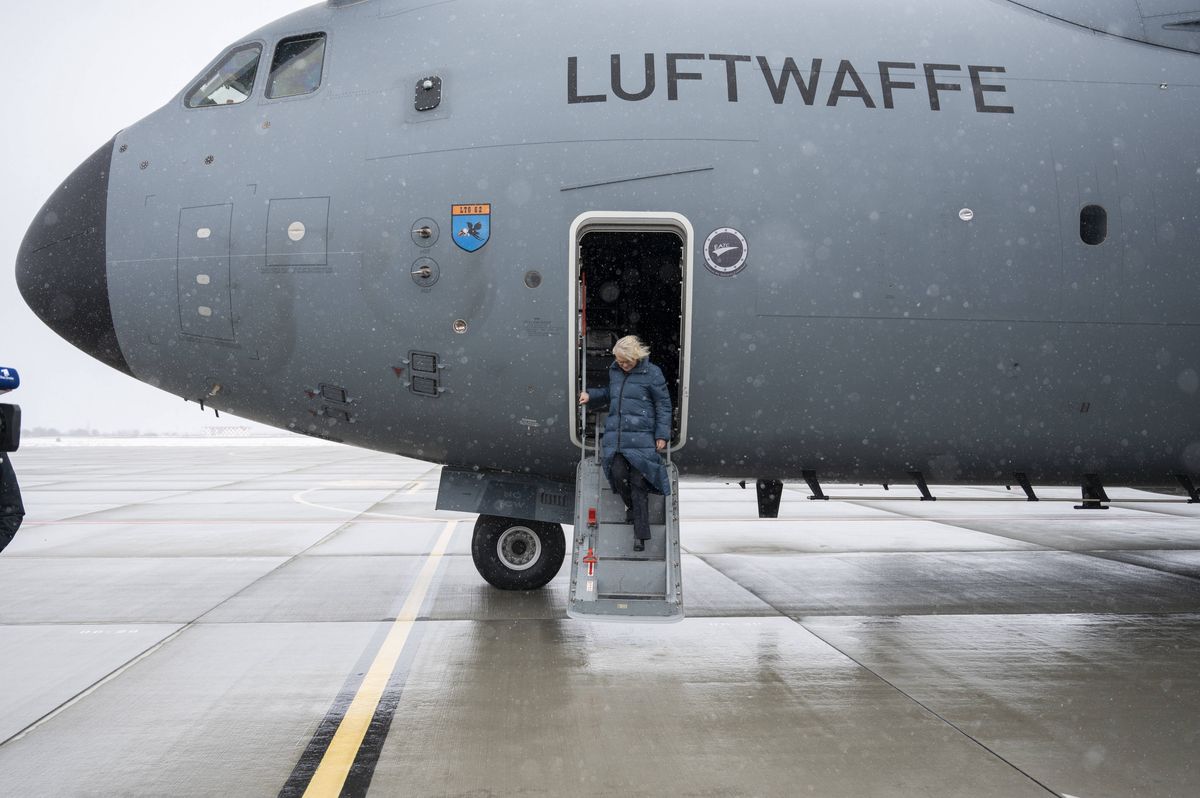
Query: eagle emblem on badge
[726,251]
[472,225]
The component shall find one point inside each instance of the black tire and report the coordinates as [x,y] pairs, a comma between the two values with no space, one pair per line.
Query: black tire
[517,555]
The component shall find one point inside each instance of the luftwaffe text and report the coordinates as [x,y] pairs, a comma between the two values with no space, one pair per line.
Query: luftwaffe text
[882,84]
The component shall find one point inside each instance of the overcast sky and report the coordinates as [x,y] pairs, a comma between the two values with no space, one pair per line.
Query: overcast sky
[80,71]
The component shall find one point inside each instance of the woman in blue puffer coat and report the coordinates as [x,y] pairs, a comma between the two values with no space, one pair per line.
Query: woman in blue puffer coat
[637,429]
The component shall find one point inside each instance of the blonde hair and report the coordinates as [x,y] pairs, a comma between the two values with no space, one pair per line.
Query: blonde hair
[631,348]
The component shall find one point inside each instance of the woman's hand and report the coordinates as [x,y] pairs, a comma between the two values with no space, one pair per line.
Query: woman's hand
[661,445]
[583,397]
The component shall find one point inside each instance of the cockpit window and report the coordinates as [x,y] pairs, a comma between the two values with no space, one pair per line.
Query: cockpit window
[230,82]
[296,67]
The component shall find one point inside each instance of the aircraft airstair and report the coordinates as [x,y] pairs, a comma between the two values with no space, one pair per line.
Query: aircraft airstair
[609,580]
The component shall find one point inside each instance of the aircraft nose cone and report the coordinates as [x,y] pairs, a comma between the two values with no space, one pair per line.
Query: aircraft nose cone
[61,269]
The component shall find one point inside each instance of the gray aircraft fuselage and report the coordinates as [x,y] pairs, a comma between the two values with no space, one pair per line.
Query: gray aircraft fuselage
[908,179]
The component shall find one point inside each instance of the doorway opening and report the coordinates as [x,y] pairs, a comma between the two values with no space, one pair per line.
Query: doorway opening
[632,277]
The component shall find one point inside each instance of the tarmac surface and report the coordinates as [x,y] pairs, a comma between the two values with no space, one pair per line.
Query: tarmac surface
[208,620]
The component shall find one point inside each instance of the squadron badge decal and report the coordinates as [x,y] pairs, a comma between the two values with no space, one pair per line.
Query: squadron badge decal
[725,251]
[472,225]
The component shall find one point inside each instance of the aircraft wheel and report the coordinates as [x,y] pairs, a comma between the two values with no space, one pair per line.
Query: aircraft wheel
[517,555]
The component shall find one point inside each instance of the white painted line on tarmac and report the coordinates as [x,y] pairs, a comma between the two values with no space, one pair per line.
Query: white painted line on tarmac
[300,498]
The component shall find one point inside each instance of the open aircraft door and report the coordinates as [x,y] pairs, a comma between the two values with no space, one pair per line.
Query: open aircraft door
[631,273]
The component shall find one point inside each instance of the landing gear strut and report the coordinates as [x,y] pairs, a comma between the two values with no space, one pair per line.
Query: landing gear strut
[517,555]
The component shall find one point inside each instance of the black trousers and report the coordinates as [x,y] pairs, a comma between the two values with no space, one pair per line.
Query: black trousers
[12,511]
[629,483]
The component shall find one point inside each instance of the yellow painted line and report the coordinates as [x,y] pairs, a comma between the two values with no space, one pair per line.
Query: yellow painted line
[330,777]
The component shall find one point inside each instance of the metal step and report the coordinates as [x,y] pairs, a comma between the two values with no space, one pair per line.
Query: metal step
[615,541]
[616,583]
[630,610]
[622,577]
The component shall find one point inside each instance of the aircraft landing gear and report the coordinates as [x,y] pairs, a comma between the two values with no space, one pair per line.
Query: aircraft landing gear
[517,555]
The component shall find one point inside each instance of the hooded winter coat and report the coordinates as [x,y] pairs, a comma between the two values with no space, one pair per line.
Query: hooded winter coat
[639,414]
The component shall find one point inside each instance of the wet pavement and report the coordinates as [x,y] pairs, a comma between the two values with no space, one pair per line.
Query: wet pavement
[202,619]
